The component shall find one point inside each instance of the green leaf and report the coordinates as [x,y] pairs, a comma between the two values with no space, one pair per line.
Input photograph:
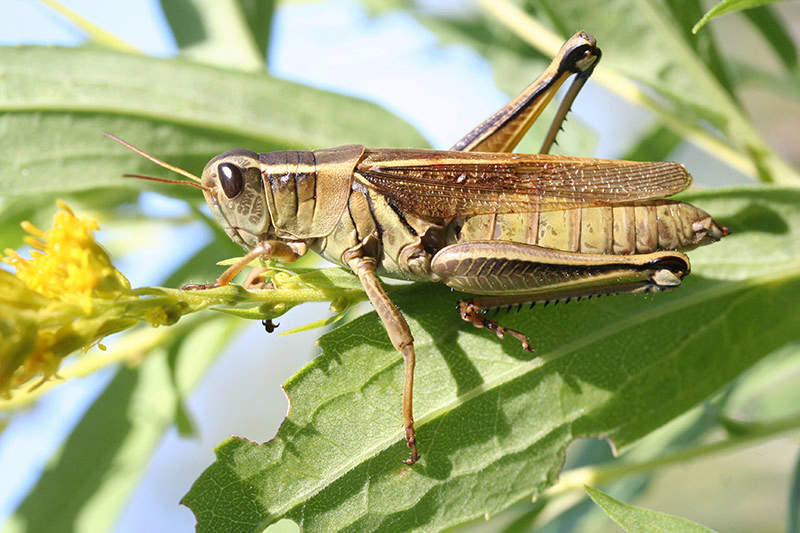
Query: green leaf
[676,436]
[770,390]
[493,420]
[92,30]
[90,480]
[655,145]
[39,209]
[793,522]
[130,426]
[663,60]
[216,32]
[685,12]
[258,16]
[318,323]
[199,113]
[515,65]
[639,520]
[726,6]
[746,74]
[774,31]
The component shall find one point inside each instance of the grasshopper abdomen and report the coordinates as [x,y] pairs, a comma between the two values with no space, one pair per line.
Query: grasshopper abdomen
[642,227]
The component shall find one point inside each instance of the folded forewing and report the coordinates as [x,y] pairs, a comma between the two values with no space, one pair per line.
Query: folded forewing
[446,184]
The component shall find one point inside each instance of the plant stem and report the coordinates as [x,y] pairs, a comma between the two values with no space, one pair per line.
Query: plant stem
[327,285]
[599,475]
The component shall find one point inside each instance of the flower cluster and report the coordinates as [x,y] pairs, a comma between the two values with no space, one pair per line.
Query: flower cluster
[57,301]
[66,263]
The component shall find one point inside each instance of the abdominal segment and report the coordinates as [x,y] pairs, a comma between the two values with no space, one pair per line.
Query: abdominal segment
[636,228]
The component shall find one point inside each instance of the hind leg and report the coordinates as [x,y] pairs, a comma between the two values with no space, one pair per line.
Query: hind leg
[517,274]
[503,130]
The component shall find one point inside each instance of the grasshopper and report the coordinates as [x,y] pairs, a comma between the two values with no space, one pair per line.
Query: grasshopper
[513,229]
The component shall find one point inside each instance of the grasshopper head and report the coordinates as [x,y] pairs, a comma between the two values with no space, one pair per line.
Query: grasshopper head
[231,184]
[234,191]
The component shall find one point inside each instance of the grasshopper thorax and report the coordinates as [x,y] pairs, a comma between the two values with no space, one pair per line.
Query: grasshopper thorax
[293,195]
[234,191]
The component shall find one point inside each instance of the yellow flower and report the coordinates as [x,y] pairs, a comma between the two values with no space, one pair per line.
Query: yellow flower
[58,301]
[68,296]
[66,263]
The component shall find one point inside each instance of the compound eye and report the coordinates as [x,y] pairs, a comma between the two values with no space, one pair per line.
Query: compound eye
[231,179]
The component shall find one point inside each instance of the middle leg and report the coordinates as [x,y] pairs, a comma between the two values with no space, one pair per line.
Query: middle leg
[399,333]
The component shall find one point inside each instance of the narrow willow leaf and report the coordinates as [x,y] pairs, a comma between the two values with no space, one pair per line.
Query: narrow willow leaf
[774,31]
[200,268]
[680,433]
[770,390]
[123,426]
[793,521]
[379,7]
[727,6]
[214,32]
[515,65]
[90,480]
[526,520]
[638,520]
[258,17]
[745,74]
[317,324]
[95,32]
[655,145]
[493,420]
[201,112]
[685,13]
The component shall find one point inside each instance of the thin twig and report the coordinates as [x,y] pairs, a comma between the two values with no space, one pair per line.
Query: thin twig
[600,475]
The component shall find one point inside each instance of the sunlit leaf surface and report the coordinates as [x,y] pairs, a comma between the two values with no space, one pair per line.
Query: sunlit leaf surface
[494,421]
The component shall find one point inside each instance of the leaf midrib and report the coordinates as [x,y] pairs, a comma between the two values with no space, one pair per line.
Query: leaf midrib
[721,289]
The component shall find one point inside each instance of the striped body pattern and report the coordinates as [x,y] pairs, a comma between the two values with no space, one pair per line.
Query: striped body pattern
[638,228]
